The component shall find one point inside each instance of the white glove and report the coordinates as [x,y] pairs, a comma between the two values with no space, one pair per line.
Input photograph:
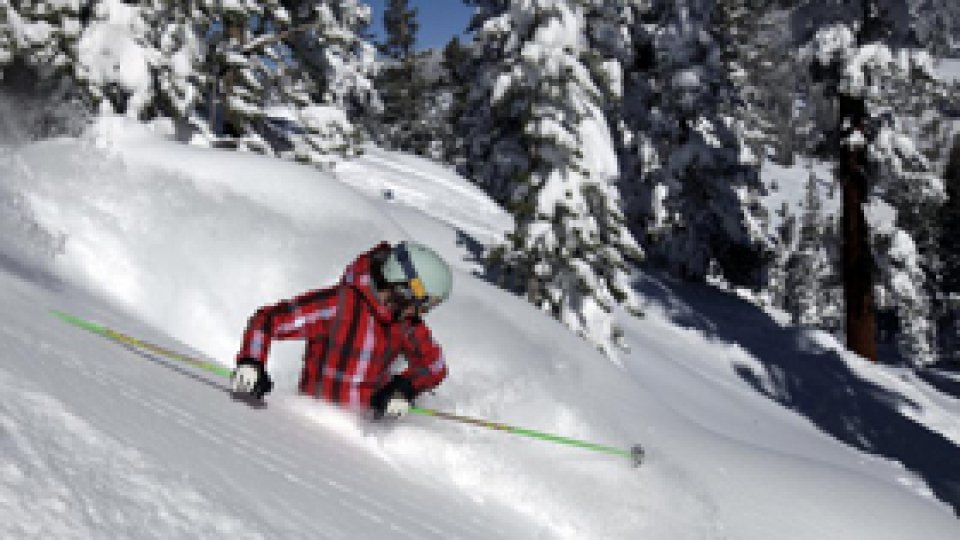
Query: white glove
[397,406]
[244,379]
[250,378]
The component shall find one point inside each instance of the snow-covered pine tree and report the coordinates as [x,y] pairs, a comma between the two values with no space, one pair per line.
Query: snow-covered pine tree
[37,54]
[449,105]
[879,167]
[122,58]
[538,142]
[949,226]
[691,184]
[810,269]
[233,78]
[400,82]
[440,103]
[171,31]
[40,35]
[936,25]
[285,76]
[775,288]
[400,26]
[759,59]
[234,67]
[948,308]
[335,64]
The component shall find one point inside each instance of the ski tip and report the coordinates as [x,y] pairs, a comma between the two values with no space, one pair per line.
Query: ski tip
[637,453]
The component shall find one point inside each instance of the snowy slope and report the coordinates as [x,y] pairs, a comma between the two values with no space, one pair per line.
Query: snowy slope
[753,430]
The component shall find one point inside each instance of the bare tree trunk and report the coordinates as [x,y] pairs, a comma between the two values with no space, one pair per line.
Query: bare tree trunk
[857,259]
[853,171]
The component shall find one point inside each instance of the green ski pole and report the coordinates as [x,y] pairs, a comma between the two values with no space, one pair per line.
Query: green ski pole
[634,453]
[132,341]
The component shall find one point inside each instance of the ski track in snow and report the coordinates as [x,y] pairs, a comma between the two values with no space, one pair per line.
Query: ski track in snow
[94,484]
[460,205]
[324,482]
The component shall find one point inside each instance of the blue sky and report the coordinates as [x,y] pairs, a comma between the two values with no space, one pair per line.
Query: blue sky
[439,20]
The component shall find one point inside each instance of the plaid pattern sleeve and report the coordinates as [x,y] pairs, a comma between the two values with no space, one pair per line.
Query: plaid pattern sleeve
[426,366]
[302,317]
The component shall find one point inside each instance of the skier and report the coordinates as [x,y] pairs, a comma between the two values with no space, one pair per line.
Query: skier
[355,330]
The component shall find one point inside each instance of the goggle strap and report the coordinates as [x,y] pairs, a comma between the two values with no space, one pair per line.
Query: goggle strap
[416,285]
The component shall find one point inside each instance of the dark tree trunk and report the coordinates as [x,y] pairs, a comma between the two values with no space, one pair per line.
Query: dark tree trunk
[854,176]
[857,260]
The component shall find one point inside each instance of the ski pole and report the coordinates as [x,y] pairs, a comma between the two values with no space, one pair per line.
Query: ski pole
[132,341]
[635,452]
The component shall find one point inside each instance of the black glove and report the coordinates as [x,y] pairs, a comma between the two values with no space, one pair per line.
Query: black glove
[250,378]
[399,391]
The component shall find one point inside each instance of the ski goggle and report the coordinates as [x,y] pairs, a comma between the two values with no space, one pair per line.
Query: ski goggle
[413,291]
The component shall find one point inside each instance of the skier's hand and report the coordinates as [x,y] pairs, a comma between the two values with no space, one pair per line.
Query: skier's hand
[397,406]
[394,399]
[250,379]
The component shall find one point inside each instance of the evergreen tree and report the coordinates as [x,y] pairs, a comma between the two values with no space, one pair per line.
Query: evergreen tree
[402,87]
[121,58]
[451,96]
[538,142]
[810,268]
[878,164]
[227,69]
[37,52]
[936,25]
[335,61]
[306,63]
[171,32]
[400,26]
[759,58]
[948,308]
[949,218]
[236,91]
[691,184]
[777,275]
[441,103]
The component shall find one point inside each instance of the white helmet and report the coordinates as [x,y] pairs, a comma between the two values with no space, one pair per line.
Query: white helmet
[420,271]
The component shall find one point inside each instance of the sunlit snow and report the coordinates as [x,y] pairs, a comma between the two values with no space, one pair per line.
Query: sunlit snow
[753,430]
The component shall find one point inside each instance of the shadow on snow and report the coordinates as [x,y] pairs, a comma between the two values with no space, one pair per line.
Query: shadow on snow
[815,382]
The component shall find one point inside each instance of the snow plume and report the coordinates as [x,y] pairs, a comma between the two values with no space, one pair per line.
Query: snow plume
[30,110]
[28,247]
[542,146]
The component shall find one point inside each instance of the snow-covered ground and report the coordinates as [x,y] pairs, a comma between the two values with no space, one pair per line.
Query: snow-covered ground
[786,187]
[753,430]
[948,69]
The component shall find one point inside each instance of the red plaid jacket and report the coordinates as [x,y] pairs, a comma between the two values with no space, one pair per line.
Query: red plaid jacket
[351,339]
